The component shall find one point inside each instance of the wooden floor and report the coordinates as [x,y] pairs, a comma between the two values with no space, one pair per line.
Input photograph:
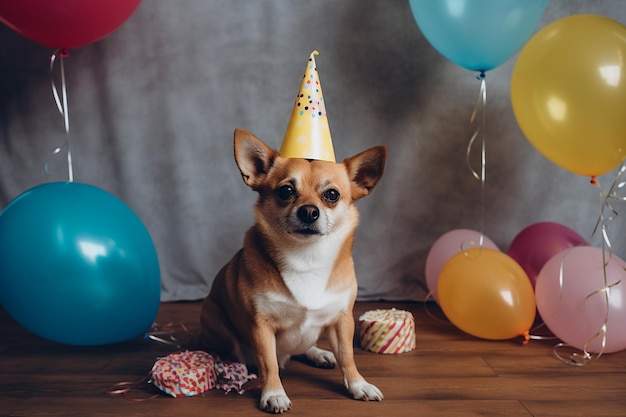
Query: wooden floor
[449,374]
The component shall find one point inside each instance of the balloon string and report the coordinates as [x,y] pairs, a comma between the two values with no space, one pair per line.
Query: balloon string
[464,248]
[432,315]
[563,351]
[569,354]
[173,334]
[533,334]
[618,183]
[578,358]
[479,107]
[61,103]
[137,391]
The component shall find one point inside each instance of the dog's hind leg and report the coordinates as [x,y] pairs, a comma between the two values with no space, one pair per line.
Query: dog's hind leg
[215,335]
[321,358]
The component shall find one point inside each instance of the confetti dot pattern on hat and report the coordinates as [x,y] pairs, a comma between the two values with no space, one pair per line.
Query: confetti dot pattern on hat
[387,331]
[308,134]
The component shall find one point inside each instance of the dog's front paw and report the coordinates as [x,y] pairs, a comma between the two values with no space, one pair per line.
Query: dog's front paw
[321,358]
[363,390]
[275,402]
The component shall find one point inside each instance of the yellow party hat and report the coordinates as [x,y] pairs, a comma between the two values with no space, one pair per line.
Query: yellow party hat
[308,134]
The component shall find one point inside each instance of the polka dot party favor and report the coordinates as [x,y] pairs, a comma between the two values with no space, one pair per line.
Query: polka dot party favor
[308,134]
[387,331]
[184,374]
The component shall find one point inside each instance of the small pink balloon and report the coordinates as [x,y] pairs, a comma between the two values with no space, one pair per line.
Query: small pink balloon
[571,301]
[537,243]
[444,248]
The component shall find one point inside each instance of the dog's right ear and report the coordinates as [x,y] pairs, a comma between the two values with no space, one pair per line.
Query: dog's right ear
[254,158]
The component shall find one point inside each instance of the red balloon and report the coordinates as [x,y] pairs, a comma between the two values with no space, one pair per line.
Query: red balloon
[66,23]
[537,243]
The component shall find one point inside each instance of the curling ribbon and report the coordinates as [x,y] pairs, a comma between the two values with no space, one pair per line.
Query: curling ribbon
[225,376]
[61,103]
[135,390]
[199,372]
[480,106]
[601,224]
[578,358]
[582,358]
[173,334]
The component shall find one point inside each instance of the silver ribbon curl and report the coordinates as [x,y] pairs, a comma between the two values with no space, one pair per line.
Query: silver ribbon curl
[61,103]
[479,107]
[584,357]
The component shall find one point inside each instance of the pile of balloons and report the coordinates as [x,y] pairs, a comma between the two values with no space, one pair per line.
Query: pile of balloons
[77,265]
[549,268]
[567,88]
[481,290]
[568,94]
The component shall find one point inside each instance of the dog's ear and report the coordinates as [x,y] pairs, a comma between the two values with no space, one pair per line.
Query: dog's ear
[254,158]
[365,170]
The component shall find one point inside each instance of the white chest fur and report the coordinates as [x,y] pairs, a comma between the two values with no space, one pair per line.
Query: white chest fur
[311,304]
[306,270]
[299,327]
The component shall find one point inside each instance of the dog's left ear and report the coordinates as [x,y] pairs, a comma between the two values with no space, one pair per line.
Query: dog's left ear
[365,170]
[254,158]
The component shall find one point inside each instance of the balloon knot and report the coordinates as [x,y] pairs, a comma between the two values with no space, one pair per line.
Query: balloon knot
[526,337]
[481,76]
[64,53]
[593,180]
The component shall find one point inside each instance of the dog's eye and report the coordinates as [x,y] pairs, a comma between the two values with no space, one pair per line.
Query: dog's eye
[286,192]
[332,195]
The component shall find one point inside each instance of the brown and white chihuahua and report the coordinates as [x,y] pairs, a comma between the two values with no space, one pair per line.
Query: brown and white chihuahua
[293,281]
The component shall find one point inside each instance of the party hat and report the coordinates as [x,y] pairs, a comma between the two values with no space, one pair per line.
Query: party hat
[308,134]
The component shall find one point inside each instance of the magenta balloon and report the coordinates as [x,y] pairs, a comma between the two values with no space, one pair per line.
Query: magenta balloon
[572,304]
[537,243]
[444,248]
[67,23]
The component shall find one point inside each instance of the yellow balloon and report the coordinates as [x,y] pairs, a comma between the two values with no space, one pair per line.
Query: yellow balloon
[485,293]
[568,92]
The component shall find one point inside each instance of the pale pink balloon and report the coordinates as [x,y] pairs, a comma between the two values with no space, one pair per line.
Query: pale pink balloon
[572,303]
[444,248]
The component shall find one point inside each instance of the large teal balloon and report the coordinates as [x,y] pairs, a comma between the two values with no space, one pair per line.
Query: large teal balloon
[77,265]
[477,34]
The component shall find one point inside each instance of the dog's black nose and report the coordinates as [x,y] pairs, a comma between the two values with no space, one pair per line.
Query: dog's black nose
[308,213]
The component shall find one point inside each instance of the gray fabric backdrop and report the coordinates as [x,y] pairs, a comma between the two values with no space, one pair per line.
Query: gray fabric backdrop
[153,107]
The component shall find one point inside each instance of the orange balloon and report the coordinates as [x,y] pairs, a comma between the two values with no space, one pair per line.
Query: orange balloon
[485,293]
[568,91]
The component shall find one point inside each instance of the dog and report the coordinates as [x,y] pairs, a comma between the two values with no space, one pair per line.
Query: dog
[294,280]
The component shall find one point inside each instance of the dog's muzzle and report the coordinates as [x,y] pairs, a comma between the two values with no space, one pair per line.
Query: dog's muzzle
[308,213]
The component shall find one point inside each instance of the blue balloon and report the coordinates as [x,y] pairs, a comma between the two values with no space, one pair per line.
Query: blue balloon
[77,266]
[477,34]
